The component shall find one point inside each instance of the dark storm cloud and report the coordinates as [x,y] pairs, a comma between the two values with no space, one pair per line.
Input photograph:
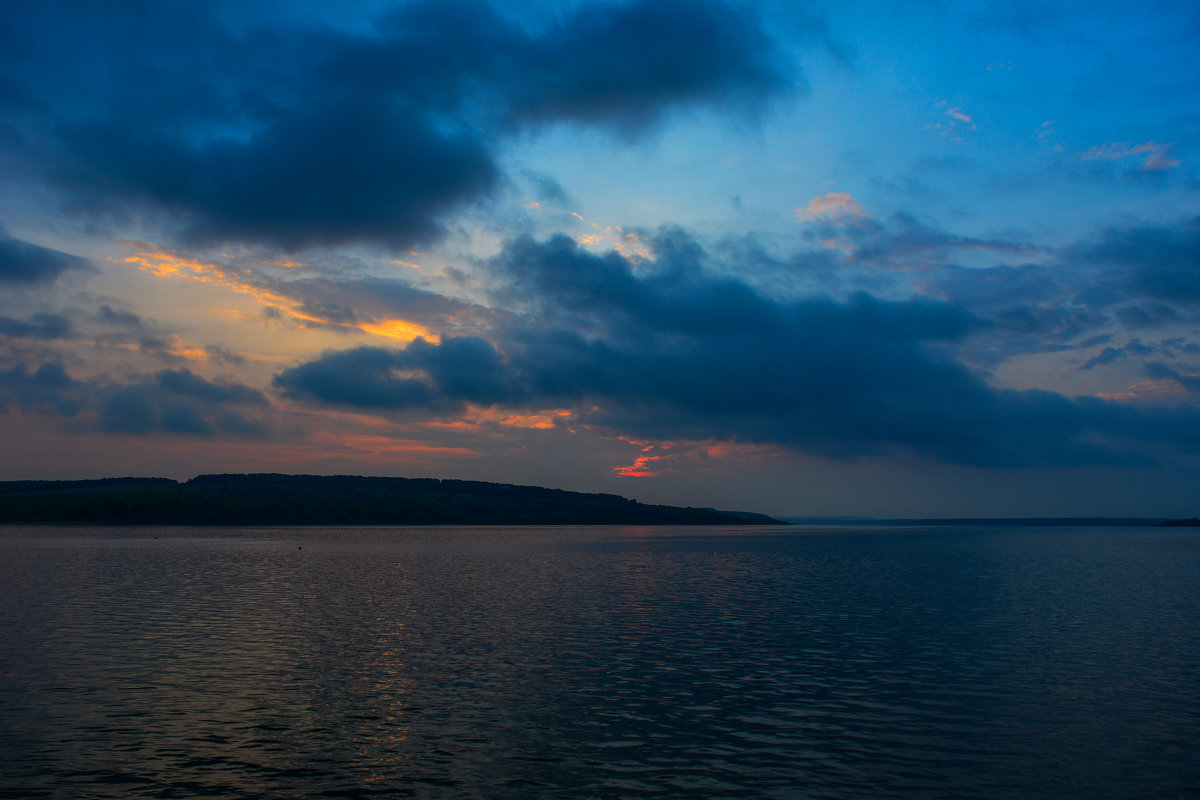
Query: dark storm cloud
[1146,315]
[547,189]
[1157,262]
[112,316]
[900,238]
[172,401]
[681,296]
[342,304]
[304,134]
[132,329]
[422,376]
[1161,371]
[1110,354]
[1137,277]
[178,401]
[222,356]
[184,383]
[1028,309]
[328,314]
[391,295]
[27,263]
[623,63]
[998,287]
[39,326]
[673,351]
[46,388]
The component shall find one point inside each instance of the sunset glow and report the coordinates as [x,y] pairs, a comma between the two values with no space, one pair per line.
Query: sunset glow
[855,258]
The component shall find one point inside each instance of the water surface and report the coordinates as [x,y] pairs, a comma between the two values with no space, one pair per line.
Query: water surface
[599,662]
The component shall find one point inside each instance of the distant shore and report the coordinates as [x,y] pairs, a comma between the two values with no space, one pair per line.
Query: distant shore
[274,499]
[1039,522]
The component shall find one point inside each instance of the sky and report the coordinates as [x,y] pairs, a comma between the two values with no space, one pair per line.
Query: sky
[909,258]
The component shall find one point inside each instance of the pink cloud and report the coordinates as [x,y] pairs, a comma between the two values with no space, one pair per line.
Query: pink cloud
[1157,156]
[833,204]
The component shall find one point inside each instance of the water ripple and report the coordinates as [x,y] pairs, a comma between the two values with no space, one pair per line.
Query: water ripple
[599,663]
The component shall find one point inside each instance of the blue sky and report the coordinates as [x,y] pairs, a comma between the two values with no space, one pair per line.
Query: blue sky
[905,258]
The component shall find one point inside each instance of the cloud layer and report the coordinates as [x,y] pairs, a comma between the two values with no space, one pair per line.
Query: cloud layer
[298,135]
[678,352]
[173,401]
[25,264]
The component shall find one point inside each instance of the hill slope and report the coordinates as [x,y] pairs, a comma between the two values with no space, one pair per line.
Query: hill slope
[272,499]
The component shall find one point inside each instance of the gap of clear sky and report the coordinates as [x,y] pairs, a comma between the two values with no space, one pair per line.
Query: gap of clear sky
[877,258]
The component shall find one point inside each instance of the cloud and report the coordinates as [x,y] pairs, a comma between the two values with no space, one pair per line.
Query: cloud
[1110,354]
[903,236]
[170,401]
[622,64]
[951,121]
[674,351]
[437,378]
[1158,371]
[305,134]
[178,401]
[1157,262]
[837,222]
[184,383]
[126,319]
[1140,276]
[833,204]
[220,355]
[47,388]
[1029,308]
[23,263]
[132,329]
[1156,156]
[39,326]
[388,307]
[1146,315]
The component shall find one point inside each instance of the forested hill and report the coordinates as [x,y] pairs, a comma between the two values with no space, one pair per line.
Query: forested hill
[329,500]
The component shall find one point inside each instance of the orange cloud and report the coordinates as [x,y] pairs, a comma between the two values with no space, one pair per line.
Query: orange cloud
[831,205]
[631,246]
[639,468]
[476,417]
[398,329]
[660,457]
[740,451]
[165,264]
[541,420]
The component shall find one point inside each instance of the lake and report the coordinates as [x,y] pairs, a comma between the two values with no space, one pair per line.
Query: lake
[599,662]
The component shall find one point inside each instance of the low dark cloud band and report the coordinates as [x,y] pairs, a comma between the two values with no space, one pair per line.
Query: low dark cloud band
[676,352]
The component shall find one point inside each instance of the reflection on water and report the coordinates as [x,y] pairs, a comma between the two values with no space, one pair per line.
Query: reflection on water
[599,662]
